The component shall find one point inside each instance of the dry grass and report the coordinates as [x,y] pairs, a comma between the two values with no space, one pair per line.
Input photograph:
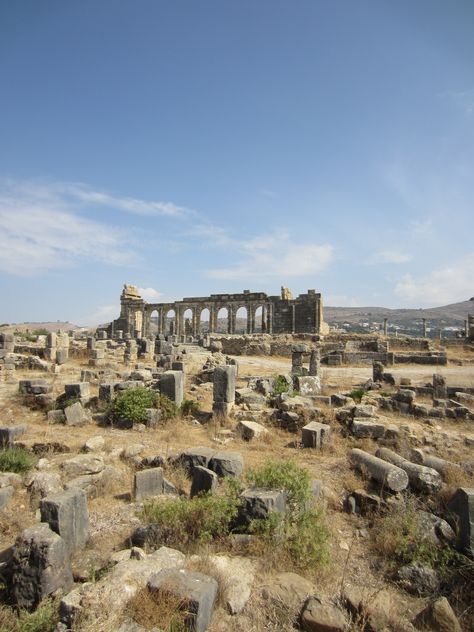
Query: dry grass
[203,564]
[161,609]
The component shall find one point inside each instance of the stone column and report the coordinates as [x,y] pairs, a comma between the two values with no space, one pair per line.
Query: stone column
[249,319]
[270,319]
[385,326]
[424,327]
[212,319]
[466,329]
[293,318]
[230,319]
[263,319]
[315,362]
[252,319]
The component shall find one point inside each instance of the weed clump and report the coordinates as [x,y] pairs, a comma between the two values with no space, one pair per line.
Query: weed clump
[16,460]
[132,405]
[44,619]
[357,394]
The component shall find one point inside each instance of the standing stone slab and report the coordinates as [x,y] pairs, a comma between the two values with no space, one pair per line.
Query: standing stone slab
[5,495]
[75,415]
[204,480]
[197,591]
[189,459]
[462,506]
[148,483]
[315,435]
[259,503]
[224,384]
[79,389]
[308,385]
[172,385]
[40,566]
[67,515]
[440,390]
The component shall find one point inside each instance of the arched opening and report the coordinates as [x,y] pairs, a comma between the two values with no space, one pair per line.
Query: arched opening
[170,322]
[188,322]
[260,325]
[204,320]
[241,320]
[154,323]
[222,325]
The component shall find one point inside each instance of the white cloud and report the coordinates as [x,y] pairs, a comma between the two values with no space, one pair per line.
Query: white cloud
[389,256]
[449,284]
[34,239]
[149,294]
[275,256]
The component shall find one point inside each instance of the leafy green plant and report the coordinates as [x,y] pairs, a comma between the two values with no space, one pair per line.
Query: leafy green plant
[16,460]
[189,407]
[168,408]
[281,385]
[286,475]
[203,518]
[301,532]
[132,405]
[357,394]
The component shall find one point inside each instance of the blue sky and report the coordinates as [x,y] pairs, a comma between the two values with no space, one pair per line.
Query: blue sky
[193,147]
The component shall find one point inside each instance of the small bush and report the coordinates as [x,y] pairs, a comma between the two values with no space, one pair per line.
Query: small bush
[286,475]
[203,518]
[169,409]
[132,404]
[189,407]
[281,385]
[357,394]
[301,532]
[16,460]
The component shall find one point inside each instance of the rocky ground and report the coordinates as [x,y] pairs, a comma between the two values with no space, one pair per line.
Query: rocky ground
[366,582]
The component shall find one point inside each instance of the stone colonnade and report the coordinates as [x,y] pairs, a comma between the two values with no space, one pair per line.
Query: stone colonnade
[196,308]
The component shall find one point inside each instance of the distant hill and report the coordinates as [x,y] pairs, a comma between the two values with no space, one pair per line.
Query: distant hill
[35,327]
[456,313]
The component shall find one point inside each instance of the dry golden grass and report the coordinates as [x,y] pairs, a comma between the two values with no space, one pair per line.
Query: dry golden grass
[163,610]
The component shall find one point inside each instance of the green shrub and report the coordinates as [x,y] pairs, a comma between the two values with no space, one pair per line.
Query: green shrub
[286,475]
[300,532]
[184,521]
[357,394]
[132,404]
[16,460]
[281,385]
[169,409]
[189,407]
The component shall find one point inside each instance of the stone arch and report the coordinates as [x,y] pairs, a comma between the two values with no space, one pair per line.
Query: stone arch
[188,320]
[222,319]
[154,322]
[241,319]
[170,321]
[205,320]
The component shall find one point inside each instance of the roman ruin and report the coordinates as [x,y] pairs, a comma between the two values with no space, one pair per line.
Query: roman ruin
[156,460]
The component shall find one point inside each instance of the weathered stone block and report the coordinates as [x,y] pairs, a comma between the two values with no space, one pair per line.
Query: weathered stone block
[62,356]
[193,457]
[259,503]
[196,591]
[6,494]
[148,483]
[315,435]
[204,480]
[75,415]
[80,389]
[365,427]
[68,516]
[172,385]
[9,434]
[106,391]
[462,506]
[40,566]
[224,384]
[249,430]
[227,464]
[308,385]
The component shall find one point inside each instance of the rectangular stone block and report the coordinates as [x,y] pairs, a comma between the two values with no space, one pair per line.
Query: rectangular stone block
[68,516]
[172,385]
[106,391]
[9,434]
[315,435]
[308,386]
[97,354]
[62,356]
[462,507]
[224,384]
[79,389]
[148,483]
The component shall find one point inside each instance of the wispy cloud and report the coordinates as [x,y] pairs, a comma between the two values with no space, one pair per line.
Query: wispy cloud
[42,226]
[149,294]
[389,256]
[275,256]
[449,284]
